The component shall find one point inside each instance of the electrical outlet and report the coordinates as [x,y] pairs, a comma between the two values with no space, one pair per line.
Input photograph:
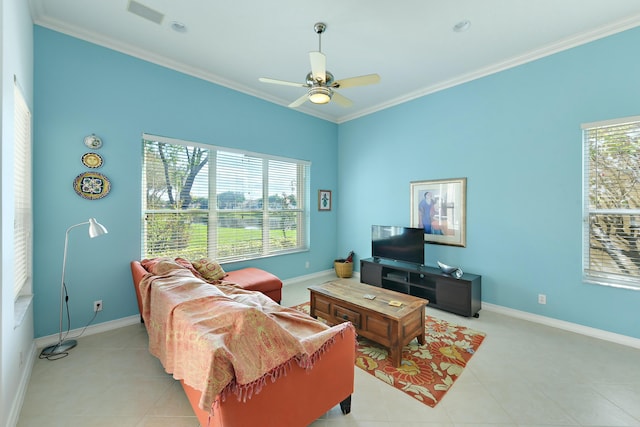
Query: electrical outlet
[97,305]
[306,264]
[542,299]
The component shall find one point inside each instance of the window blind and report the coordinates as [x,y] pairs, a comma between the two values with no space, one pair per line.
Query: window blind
[611,242]
[208,201]
[23,223]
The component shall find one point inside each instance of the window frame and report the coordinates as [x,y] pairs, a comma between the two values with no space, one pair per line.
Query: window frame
[23,195]
[213,213]
[594,275]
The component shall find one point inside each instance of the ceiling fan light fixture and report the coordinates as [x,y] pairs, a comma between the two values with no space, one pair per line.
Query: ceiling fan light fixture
[320,82]
[320,95]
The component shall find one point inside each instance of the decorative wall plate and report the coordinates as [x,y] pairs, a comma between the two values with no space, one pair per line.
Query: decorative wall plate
[93,141]
[92,185]
[92,160]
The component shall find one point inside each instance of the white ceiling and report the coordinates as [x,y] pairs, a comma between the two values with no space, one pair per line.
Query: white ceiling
[409,43]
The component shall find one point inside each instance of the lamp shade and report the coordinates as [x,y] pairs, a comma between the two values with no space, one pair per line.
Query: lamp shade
[96,229]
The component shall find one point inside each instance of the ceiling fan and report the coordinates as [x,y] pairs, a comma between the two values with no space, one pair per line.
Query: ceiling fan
[320,82]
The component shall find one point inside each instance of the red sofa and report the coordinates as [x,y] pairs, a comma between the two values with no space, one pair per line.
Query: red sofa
[296,399]
[254,279]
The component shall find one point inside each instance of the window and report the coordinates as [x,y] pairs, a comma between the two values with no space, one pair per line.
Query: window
[206,201]
[23,223]
[612,202]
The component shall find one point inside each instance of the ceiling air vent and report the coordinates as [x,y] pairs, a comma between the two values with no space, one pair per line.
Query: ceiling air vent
[145,12]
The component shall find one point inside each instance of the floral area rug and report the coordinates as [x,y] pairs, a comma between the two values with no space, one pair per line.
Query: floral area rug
[427,371]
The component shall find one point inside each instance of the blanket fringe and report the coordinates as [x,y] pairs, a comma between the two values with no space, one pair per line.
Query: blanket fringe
[306,362]
[245,391]
[215,405]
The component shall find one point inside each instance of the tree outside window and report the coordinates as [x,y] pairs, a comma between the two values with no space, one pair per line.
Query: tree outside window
[181,179]
[612,202]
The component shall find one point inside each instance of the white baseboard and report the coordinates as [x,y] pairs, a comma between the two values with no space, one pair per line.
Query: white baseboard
[91,330]
[42,342]
[328,274]
[131,320]
[20,393]
[535,318]
[567,326]
[325,274]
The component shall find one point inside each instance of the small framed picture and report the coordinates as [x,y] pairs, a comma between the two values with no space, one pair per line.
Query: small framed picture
[324,200]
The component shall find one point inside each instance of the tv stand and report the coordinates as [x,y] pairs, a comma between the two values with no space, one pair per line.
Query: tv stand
[460,296]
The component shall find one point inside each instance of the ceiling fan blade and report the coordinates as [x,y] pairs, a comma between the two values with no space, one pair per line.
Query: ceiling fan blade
[341,100]
[318,66]
[369,79]
[298,102]
[281,82]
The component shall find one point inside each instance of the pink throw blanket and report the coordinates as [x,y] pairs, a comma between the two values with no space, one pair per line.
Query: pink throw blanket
[222,339]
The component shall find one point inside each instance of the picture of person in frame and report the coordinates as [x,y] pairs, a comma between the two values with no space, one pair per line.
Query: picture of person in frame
[425,211]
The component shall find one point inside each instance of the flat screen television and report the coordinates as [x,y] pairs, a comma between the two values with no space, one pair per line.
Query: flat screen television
[397,243]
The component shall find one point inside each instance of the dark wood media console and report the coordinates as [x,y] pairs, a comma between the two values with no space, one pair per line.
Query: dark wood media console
[461,296]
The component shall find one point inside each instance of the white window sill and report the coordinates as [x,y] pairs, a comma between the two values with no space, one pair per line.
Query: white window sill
[20,309]
[612,284]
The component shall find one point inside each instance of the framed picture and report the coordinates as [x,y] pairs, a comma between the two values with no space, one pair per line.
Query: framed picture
[440,208]
[324,200]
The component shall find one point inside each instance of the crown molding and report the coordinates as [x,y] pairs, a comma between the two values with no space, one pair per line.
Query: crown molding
[551,49]
[570,42]
[160,60]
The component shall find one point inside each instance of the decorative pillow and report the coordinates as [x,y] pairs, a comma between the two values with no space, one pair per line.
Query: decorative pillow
[210,270]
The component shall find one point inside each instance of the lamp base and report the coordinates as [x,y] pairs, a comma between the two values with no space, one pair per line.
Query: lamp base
[60,348]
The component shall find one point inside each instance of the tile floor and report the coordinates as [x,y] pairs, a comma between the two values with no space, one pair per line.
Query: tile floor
[524,374]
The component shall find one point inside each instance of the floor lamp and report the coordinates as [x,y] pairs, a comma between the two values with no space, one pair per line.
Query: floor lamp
[95,229]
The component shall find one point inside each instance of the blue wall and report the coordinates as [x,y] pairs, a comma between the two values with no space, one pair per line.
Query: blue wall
[516,136]
[81,88]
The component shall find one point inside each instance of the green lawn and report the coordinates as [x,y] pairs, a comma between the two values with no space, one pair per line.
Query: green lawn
[235,241]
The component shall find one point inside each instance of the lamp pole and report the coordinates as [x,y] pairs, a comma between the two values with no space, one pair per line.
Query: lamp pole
[95,229]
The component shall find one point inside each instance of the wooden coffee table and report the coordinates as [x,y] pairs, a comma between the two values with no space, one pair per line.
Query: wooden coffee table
[388,325]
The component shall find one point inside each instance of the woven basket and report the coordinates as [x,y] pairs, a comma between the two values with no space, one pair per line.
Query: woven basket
[343,269]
